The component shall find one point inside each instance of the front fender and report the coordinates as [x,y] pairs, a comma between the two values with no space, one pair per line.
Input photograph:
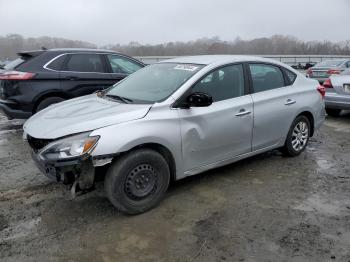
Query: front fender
[156,130]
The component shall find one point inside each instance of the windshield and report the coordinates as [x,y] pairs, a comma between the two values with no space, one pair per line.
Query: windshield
[330,63]
[153,83]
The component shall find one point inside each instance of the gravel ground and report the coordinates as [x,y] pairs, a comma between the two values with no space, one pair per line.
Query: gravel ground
[266,208]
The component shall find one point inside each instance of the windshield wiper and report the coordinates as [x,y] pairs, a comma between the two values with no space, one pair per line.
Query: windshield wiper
[120,98]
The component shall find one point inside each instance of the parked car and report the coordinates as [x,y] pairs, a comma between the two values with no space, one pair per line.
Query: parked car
[308,65]
[174,119]
[37,79]
[323,70]
[337,96]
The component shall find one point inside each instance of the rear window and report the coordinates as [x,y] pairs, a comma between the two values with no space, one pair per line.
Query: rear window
[12,65]
[330,63]
[85,63]
[266,77]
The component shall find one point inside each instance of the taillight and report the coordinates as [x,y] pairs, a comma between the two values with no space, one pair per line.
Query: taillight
[321,90]
[16,75]
[333,71]
[309,71]
[328,83]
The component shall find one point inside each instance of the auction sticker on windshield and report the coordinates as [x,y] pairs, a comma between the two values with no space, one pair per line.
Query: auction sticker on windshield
[186,67]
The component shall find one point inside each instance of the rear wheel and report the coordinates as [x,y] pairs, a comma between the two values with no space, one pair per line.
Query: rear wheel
[333,112]
[137,181]
[47,102]
[298,136]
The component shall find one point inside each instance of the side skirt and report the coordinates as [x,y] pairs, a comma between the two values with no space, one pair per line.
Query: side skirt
[226,161]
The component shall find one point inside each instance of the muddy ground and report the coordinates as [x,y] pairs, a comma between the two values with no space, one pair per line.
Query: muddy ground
[266,208]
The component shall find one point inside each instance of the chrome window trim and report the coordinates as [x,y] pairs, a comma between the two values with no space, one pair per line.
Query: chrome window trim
[75,53]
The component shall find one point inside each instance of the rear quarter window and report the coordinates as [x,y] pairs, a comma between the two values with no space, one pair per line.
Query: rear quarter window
[290,76]
[57,63]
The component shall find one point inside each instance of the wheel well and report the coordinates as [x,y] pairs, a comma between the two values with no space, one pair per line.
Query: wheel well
[51,94]
[310,117]
[165,152]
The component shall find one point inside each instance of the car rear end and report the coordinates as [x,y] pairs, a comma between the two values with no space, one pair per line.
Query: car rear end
[15,82]
[323,70]
[337,92]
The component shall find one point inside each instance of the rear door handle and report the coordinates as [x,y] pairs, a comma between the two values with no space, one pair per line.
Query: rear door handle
[289,102]
[243,112]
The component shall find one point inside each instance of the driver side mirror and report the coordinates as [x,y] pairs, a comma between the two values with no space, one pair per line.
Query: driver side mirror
[199,99]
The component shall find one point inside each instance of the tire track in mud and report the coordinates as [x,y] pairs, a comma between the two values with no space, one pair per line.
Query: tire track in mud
[8,126]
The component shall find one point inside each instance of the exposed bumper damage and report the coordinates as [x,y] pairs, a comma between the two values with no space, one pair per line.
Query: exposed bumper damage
[78,172]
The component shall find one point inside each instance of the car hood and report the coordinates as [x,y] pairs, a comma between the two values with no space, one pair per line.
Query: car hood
[80,115]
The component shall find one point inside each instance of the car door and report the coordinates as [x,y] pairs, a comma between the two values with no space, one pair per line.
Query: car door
[275,104]
[121,67]
[84,73]
[223,129]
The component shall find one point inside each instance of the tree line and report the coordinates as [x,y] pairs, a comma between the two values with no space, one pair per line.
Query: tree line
[11,44]
[275,45]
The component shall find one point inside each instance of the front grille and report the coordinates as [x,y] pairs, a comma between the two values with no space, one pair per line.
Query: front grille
[37,143]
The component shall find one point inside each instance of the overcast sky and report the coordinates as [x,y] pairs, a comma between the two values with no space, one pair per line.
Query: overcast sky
[158,21]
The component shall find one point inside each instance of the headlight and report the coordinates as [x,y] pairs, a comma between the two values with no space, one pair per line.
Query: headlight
[69,147]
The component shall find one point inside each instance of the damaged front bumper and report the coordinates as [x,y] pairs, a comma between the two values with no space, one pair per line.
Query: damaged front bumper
[54,169]
[79,172]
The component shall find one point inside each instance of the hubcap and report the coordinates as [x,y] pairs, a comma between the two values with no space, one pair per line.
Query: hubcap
[300,136]
[141,182]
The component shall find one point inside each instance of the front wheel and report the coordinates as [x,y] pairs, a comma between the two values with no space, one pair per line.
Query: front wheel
[137,181]
[298,136]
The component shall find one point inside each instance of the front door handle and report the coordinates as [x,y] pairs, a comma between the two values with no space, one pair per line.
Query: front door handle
[243,112]
[289,102]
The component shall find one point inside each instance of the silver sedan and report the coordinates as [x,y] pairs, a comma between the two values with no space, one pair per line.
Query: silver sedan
[323,70]
[337,96]
[174,119]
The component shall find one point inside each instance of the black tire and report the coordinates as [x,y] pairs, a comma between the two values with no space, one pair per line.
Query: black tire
[288,148]
[333,112]
[47,102]
[137,181]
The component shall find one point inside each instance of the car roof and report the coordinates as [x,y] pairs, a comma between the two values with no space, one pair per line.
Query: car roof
[214,59]
[75,50]
[81,50]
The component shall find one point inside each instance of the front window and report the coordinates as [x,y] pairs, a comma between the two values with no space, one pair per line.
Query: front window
[224,83]
[153,83]
[122,65]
